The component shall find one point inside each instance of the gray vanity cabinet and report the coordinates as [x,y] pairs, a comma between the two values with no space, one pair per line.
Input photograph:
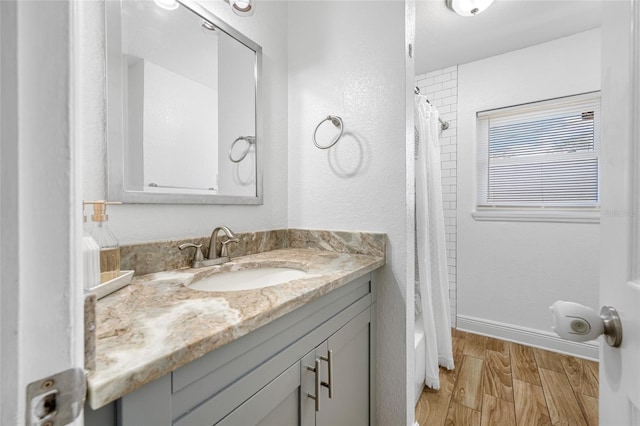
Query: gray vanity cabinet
[290,398]
[264,378]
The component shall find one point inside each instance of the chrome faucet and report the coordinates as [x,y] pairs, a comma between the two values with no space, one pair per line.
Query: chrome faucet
[213,259]
[213,242]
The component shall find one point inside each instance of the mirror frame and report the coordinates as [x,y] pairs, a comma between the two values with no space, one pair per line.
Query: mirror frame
[115,117]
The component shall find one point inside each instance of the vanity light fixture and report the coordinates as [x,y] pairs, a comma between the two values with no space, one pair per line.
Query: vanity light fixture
[468,7]
[167,4]
[241,7]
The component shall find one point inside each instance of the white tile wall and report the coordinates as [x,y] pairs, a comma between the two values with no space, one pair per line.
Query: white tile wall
[441,88]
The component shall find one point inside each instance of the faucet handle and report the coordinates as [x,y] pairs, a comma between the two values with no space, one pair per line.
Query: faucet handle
[198,256]
[224,252]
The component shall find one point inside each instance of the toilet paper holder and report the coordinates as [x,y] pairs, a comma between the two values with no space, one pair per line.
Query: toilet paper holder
[580,323]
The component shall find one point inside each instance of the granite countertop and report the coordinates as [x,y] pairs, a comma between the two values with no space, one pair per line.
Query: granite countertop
[156,324]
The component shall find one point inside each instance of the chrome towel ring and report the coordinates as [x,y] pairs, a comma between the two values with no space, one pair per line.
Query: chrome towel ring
[336,121]
[250,140]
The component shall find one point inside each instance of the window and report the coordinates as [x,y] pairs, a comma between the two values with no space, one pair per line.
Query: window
[540,157]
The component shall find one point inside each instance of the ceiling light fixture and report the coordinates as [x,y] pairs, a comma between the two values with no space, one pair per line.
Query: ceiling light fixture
[208,25]
[468,7]
[241,7]
[167,4]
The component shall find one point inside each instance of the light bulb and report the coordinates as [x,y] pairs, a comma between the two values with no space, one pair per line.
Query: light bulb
[468,7]
[242,7]
[167,4]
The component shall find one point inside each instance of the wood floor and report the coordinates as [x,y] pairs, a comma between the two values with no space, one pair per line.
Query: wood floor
[502,383]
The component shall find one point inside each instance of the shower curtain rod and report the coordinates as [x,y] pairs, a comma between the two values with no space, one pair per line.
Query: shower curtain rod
[443,124]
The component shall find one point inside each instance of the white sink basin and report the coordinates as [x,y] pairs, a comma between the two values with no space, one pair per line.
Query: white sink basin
[247,279]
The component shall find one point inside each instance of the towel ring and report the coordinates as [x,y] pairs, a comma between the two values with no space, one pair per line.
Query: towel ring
[336,121]
[250,140]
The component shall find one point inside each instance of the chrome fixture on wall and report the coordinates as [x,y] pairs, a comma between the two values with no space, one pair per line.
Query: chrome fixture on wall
[250,140]
[337,122]
[468,7]
[444,125]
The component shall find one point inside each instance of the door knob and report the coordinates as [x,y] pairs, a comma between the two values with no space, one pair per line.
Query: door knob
[579,323]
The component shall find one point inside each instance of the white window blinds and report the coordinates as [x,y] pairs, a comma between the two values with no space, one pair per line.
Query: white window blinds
[544,154]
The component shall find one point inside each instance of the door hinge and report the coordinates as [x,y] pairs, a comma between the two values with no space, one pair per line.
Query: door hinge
[56,400]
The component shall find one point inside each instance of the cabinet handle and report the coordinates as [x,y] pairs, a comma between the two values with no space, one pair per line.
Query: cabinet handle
[329,359]
[316,397]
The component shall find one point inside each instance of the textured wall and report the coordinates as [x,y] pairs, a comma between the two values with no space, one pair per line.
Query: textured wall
[136,223]
[510,272]
[343,64]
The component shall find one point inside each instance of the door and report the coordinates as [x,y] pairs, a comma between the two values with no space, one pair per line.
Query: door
[348,352]
[343,382]
[275,404]
[620,210]
[40,222]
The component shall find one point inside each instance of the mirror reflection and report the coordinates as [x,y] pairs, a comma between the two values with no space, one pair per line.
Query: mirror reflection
[189,106]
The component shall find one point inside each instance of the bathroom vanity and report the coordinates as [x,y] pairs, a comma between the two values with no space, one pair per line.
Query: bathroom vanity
[295,353]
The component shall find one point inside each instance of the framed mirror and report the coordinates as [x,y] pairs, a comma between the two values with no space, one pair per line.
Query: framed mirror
[183,106]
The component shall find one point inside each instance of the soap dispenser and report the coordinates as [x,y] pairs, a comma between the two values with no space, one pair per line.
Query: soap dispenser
[90,257]
[108,243]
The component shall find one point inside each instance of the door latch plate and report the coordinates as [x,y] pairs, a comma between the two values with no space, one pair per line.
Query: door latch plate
[56,400]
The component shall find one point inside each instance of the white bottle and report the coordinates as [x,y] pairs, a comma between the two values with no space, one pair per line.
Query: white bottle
[91,259]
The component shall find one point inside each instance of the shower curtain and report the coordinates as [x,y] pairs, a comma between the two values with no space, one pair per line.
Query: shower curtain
[432,274]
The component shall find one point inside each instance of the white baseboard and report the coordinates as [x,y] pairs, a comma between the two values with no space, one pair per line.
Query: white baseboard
[528,336]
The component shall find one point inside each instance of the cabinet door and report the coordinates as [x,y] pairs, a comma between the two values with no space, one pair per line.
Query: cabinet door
[349,402]
[349,378]
[274,405]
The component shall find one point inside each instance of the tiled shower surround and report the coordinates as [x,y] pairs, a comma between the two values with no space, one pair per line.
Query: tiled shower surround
[441,88]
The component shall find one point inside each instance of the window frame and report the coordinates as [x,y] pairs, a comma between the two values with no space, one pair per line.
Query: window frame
[526,213]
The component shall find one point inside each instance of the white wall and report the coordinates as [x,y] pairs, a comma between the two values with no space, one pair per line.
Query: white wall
[510,272]
[343,64]
[441,88]
[193,127]
[137,223]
